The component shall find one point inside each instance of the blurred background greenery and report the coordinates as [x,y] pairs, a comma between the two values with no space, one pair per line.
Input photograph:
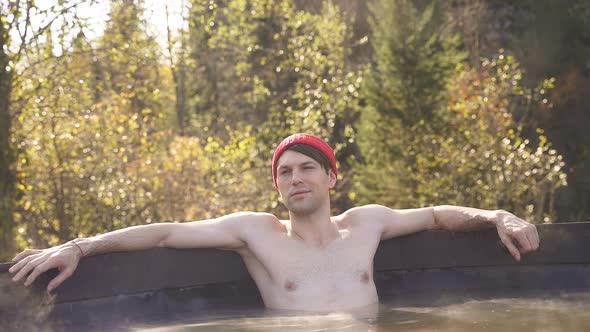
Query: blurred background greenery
[171,113]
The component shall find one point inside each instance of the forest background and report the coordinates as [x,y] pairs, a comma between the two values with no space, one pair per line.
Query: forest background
[481,103]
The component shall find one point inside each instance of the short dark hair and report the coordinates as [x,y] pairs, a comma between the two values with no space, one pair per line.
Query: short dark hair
[312,153]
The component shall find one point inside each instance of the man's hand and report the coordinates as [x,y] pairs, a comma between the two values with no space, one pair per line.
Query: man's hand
[65,258]
[513,230]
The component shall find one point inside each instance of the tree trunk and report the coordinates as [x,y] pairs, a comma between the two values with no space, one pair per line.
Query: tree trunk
[7,156]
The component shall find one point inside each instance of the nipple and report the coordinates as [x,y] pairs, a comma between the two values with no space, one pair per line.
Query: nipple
[290,286]
[364,277]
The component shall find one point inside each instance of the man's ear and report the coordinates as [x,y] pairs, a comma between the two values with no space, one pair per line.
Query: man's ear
[332,178]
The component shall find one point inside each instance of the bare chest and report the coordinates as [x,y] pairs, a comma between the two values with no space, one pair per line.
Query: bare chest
[287,256]
[322,274]
[304,277]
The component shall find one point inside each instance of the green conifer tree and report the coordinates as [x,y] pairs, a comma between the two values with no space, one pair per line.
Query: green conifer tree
[415,52]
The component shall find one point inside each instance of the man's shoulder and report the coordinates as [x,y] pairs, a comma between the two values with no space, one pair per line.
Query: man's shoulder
[254,217]
[257,220]
[366,211]
[364,215]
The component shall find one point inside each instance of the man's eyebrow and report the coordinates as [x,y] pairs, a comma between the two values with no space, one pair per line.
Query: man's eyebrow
[306,163]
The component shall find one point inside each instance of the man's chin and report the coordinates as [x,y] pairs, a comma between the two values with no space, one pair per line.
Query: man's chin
[299,210]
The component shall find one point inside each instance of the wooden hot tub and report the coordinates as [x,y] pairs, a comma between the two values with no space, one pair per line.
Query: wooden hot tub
[111,291]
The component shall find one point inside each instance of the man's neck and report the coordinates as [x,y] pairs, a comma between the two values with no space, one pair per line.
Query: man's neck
[316,229]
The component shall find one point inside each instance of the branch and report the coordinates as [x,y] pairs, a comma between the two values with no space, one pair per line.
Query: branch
[43,28]
[23,36]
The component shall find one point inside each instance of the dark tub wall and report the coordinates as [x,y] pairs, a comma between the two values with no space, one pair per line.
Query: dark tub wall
[162,282]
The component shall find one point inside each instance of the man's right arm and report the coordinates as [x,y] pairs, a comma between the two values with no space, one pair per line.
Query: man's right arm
[227,232]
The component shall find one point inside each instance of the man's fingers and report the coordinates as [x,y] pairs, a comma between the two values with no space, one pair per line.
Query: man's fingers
[26,265]
[534,243]
[37,271]
[536,238]
[508,243]
[22,260]
[528,239]
[523,240]
[16,267]
[25,253]
[63,275]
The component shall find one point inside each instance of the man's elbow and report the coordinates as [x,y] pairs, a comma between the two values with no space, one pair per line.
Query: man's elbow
[164,234]
[436,217]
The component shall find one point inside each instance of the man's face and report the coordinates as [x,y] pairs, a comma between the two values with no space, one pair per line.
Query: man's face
[303,183]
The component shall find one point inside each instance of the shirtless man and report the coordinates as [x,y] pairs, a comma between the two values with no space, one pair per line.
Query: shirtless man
[313,261]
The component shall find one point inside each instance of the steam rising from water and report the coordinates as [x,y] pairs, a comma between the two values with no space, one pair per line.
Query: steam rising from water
[23,308]
[565,313]
[331,322]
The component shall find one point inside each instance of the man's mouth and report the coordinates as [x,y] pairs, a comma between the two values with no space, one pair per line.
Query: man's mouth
[299,193]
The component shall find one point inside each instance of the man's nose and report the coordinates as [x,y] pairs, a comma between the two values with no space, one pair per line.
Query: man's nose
[296,177]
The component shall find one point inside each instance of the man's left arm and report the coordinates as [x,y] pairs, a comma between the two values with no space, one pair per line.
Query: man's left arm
[512,230]
[518,236]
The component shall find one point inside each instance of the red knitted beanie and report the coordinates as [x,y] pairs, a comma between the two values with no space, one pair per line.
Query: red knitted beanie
[301,138]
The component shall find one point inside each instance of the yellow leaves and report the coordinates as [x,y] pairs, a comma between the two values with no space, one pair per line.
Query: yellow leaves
[351,195]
